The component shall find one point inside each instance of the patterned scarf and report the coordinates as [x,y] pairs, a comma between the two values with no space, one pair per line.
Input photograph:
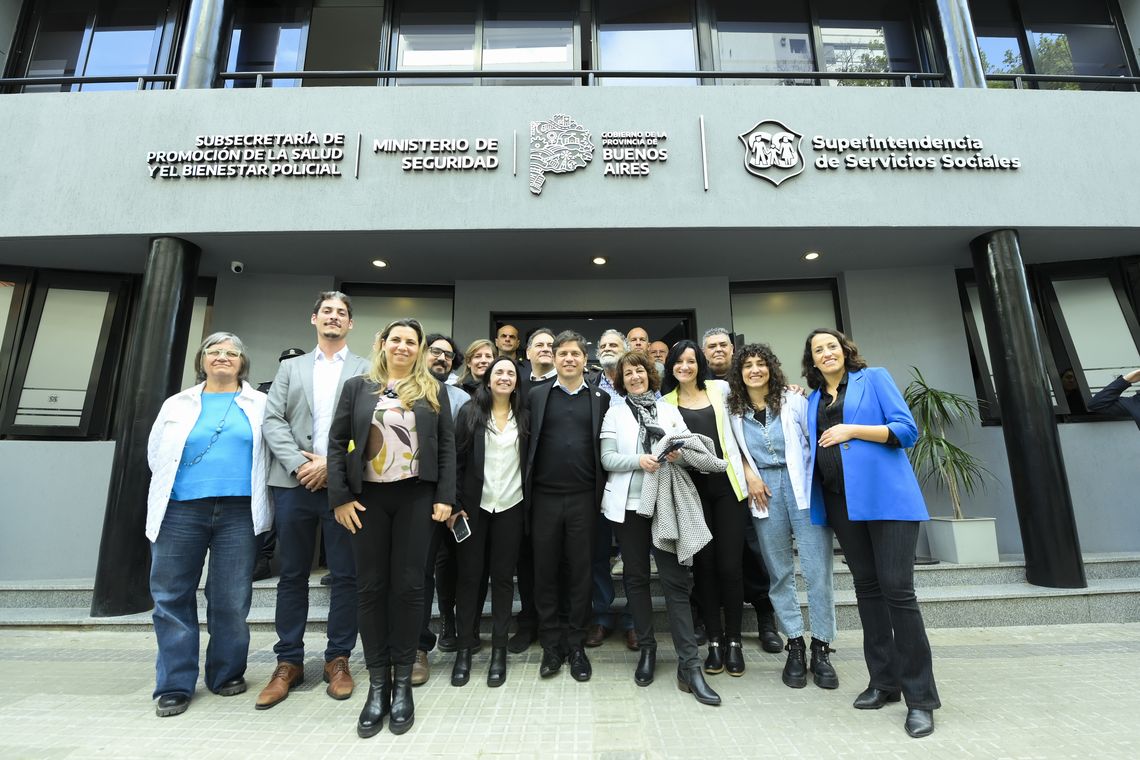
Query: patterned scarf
[644,408]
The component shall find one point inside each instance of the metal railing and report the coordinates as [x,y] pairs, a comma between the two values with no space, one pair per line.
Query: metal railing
[1020,80]
[140,81]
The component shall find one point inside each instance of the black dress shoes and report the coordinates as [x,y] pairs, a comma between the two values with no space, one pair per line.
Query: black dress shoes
[692,681]
[714,663]
[551,663]
[171,704]
[580,665]
[232,687]
[461,670]
[872,698]
[734,659]
[447,641]
[497,672]
[522,639]
[770,640]
[919,723]
[646,665]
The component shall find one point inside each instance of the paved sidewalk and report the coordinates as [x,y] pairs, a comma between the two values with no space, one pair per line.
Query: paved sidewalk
[1061,691]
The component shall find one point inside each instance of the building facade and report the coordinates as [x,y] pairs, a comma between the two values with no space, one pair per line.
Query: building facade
[213,164]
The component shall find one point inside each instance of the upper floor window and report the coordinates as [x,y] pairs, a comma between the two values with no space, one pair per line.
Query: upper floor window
[97,38]
[1050,37]
[756,37]
[867,37]
[646,35]
[268,35]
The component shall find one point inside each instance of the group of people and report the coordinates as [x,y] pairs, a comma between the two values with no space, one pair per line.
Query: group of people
[420,467]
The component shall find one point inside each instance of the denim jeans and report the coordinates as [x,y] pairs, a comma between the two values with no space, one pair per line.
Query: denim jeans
[224,526]
[775,532]
[299,512]
[602,591]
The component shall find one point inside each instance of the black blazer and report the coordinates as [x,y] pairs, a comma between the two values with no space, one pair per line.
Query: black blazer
[470,454]
[1109,400]
[599,403]
[352,422]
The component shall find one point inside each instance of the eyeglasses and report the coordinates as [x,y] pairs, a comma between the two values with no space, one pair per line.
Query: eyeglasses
[216,353]
[449,355]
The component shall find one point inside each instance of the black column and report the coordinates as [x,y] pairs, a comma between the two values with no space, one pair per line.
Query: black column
[153,371]
[1033,446]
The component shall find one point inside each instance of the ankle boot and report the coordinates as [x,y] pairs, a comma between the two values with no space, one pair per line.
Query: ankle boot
[714,663]
[377,704]
[734,659]
[795,669]
[497,672]
[769,637]
[403,710]
[692,681]
[823,673]
[646,665]
[448,642]
[461,671]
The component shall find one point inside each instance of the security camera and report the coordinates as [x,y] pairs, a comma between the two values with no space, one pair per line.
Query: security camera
[237,267]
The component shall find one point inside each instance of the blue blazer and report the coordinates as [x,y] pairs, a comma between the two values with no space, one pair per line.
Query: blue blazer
[879,479]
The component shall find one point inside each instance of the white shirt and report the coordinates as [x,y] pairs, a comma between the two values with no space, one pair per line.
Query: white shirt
[538,378]
[559,384]
[326,375]
[502,473]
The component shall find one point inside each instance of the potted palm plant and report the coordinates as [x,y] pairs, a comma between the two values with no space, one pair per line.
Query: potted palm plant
[938,461]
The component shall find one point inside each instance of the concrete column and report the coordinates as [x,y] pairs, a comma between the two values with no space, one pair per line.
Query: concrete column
[964,62]
[1040,483]
[160,328]
[201,57]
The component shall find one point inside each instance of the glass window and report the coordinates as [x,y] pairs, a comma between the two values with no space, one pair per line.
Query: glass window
[1100,335]
[371,313]
[344,37]
[782,319]
[518,35]
[999,39]
[870,37]
[435,35]
[646,35]
[754,37]
[93,38]
[268,36]
[1073,38]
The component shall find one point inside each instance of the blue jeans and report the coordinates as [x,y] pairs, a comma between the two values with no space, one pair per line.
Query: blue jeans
[299,512]
[775,532]
[224,526]
[602,592]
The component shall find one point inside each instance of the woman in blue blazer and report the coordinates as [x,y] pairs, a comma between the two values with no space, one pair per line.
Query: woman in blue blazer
[864,488]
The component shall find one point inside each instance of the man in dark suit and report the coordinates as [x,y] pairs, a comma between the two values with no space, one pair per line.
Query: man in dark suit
[1109,401]
[298,414]
[564,488]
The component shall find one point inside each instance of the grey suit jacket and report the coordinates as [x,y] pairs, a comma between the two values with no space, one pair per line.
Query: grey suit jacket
[288,426]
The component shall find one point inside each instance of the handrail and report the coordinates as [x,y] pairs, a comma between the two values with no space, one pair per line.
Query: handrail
[1020,79]
[141,80]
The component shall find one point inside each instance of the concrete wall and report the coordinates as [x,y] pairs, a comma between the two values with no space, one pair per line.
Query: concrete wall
[51,515]
[476,299]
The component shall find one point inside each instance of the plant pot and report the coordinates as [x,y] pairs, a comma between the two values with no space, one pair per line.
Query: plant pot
[970,541]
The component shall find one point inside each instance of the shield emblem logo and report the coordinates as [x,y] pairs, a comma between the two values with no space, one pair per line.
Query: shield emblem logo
[772,151]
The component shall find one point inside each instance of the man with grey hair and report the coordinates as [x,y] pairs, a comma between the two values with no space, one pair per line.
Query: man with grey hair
[717,345]
[610,347]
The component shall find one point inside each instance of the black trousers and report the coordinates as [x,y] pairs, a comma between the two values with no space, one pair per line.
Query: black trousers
[495,539]
[391,550]
[880,554]
[635,535]
[528,616]
[562,529]
[440,574]
[717,568]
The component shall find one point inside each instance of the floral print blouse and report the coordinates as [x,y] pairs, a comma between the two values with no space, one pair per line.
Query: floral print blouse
[393,447]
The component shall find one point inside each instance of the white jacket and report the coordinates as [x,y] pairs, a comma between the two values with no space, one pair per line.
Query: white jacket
[620,424]
[168,436]
[797,448]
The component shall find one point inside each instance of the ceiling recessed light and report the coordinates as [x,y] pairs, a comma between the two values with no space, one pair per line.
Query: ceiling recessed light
[379,263]
[599,260]
[811,256]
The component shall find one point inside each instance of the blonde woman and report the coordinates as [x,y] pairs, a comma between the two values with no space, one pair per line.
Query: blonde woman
[391,467]
[476,359]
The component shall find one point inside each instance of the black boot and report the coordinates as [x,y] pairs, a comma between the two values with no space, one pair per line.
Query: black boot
[734,659]
[769,638]
[497,672]
[448,642]
[461,670]
[692,681]
[646,665]
[714,663]
[795,669]
[403,710]
[823,673]
[377,704]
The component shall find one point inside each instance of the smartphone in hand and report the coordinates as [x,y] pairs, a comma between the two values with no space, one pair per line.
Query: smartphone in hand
[461,530]
[674,446]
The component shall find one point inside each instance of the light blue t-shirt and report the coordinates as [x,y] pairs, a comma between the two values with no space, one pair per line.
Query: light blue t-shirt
[224,470]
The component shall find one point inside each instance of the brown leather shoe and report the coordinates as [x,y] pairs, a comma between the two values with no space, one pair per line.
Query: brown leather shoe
[420,668]
[596,635]
[338,678]
[631,640]
[285,677]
